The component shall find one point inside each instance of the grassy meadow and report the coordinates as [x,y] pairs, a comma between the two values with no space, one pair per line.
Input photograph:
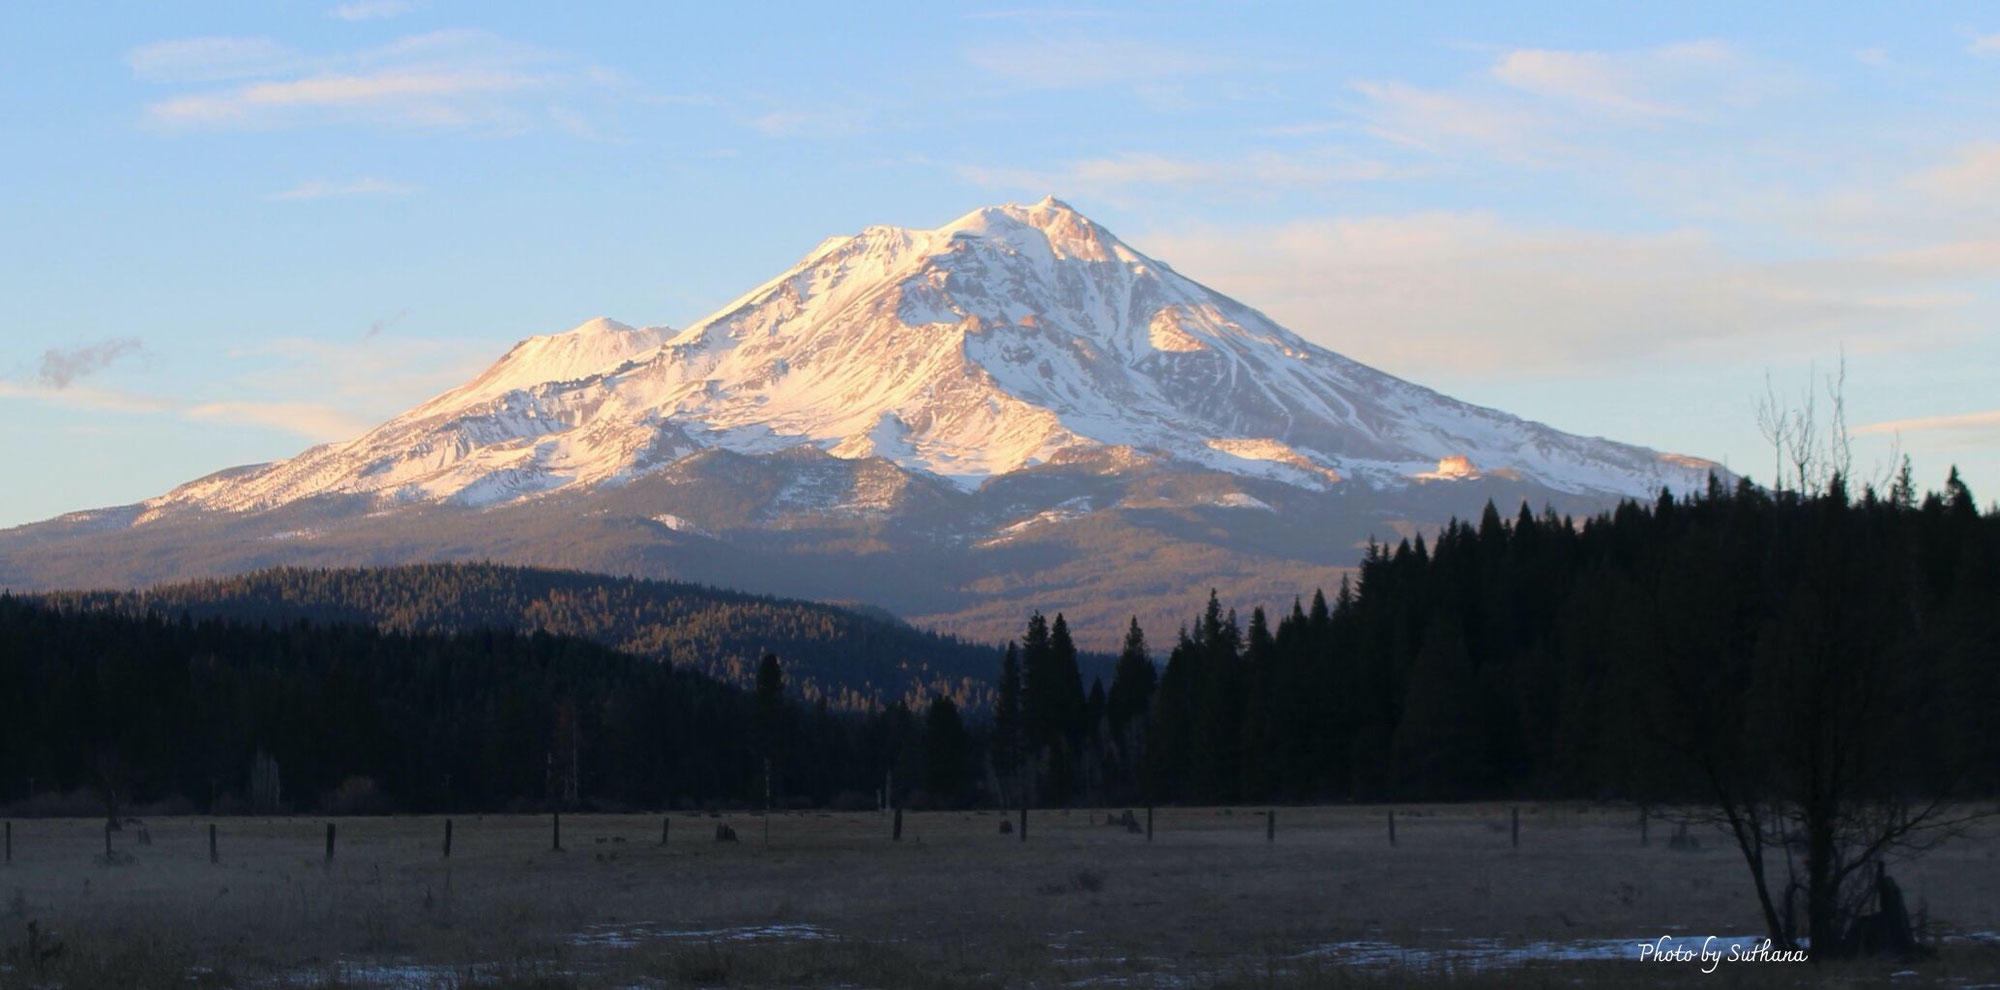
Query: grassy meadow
[831,901]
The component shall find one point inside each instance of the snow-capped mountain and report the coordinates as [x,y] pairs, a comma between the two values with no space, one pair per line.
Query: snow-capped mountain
[1011,337]
[1013,410]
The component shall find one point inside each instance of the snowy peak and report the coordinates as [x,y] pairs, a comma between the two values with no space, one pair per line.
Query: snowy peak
[1062,231]
[1012,337]
[583,350]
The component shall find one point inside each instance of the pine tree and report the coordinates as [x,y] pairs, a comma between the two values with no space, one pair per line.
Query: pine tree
[1439,747]
[1068,685]
[944,751]
[1903,494]
[1258,773]
[770,704]
[1008,722]
[1132,682]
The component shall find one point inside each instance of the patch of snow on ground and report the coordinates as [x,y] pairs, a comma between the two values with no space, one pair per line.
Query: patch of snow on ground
[680,525]
[1239,500]
[1480,954]
[1071,509]
[628,936]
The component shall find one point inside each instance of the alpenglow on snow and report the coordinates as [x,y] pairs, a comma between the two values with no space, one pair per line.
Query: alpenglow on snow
[1012,337]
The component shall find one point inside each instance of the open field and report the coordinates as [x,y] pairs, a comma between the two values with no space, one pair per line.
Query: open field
[831,901]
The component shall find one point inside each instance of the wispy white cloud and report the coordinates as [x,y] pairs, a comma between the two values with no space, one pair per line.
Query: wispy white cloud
[451,79]
[1973,422]
[1687,80]
[1592,79]
[821,121]
[1985,44]
[324,189]
[1472,293]
[86,397]
[311,420]
[372,10]
[1436,119]
[1971,178]
[372,378]
[1540,105]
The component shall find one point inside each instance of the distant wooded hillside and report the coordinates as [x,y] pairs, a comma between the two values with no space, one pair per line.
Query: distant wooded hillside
[103,711]
[850,659]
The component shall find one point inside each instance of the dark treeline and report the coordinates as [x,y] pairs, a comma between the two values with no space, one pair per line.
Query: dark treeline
[1541,657]
[126,710]
[1527,657]
[852,660]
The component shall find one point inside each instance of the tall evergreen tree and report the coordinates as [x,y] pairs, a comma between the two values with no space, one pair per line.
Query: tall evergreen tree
[1068,676]
[1132,681]
[1257,778]
[944,751]
[1009,729]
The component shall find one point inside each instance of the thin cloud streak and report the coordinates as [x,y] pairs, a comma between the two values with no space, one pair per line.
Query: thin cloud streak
[1971,178]
[1957,422]
[311,420]
[1471,293]
[451,79]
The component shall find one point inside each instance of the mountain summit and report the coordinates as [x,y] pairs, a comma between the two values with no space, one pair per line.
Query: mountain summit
[1016,409]
[1012,337]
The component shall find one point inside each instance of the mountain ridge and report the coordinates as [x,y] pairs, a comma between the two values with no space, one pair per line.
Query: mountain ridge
[847,657]
[1014,410]
[1011,337]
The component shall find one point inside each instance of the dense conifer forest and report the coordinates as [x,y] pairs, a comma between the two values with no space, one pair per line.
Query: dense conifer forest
[851,659]
[1650,653]
[1646,654]
[149,710]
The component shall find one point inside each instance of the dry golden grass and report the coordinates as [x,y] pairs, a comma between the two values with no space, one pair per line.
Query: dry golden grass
[1209,902]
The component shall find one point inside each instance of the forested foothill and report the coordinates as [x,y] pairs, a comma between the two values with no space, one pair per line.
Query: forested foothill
[853,658]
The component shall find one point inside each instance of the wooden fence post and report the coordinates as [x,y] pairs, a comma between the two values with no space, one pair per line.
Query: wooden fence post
[447,838]
[666,826]
[10,843]
[1149,823]
[1517,826]
[1644,839]
[896,833]
[1024,823]
[107,840]
[1271,825]
[214,856]
[555,831]
[1392,828]
[329,843]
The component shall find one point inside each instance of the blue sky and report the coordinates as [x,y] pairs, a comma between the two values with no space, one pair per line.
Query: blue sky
[228,231]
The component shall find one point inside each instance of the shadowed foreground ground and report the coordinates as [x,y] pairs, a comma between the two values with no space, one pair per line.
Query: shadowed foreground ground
[831,901]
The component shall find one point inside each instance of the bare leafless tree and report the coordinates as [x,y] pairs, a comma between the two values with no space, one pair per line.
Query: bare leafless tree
[1807,452]
[1802,732]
